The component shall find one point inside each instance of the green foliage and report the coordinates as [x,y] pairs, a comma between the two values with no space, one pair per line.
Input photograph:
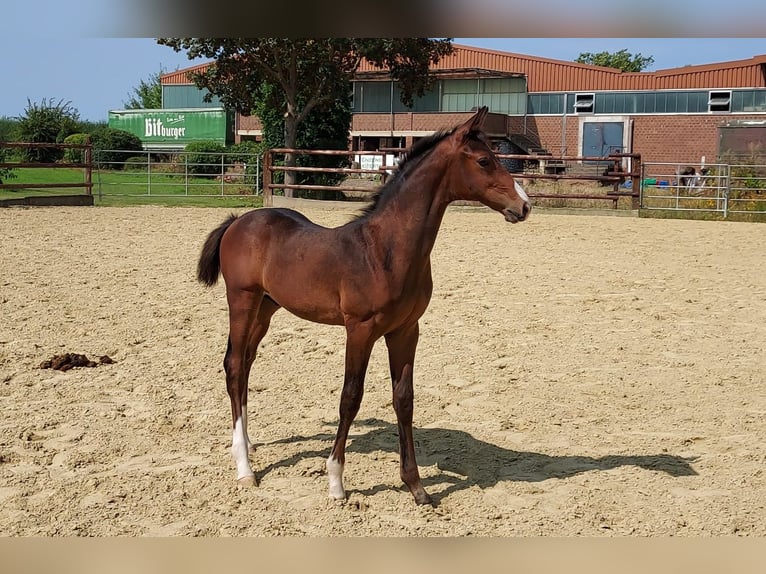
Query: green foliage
[243,152]
[300,76]
[748,177]
[46,122]
[147,95]
[307,66]
[325,127]
[75,155]
[407,59]
[88,127]
[205,157]
[8,129]
[6,173]
[111,147]
[748,170]
[622,60]
[136,163]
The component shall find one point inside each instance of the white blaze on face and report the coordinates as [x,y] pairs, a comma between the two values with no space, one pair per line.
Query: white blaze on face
[335,475]
[239,450]
[520,191]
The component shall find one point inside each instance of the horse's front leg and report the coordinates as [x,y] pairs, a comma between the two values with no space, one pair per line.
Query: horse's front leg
[359,343]
[401,357]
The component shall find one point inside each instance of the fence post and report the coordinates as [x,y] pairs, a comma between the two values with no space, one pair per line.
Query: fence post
[257,172]
[267,191]
[89,168]
[726,192]
[636,181]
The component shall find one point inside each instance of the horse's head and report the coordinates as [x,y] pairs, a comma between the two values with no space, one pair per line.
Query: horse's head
[481,177]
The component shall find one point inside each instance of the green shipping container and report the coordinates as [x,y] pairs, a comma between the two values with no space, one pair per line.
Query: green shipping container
[172,129]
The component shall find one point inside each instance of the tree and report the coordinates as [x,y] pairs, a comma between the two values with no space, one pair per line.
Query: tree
[147,95]
[622,60]
[325,127]
[305,73]
[46,122]
[8,129]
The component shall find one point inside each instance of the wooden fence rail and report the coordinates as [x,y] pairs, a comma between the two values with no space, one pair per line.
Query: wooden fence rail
[86,165]
[614,176]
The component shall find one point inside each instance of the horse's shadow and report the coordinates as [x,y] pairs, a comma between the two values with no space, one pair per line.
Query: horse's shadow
[466,461]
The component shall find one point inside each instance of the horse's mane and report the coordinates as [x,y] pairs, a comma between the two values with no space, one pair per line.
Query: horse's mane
[409,159]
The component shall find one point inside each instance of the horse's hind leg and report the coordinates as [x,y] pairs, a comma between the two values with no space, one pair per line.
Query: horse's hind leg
[245,332]
[266,310]
[401,356]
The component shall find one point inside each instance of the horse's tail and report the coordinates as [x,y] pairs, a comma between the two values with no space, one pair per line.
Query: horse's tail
[209,264]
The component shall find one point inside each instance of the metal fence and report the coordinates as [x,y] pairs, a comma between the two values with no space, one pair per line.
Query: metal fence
[177,174]
[720,189]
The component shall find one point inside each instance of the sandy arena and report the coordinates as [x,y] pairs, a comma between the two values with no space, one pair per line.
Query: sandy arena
[577,375]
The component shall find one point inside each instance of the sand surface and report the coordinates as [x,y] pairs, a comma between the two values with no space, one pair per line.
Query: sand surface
[576,375]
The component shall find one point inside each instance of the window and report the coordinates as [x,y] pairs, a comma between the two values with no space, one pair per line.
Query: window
[748,101]
[584,103]
[372,97]
[459,95]
[719,101]
[545,104]
[606,103]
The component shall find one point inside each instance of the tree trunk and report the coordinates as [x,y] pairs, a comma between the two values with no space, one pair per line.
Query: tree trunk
[291,133]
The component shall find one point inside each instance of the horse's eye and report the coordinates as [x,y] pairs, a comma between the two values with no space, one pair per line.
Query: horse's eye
[484,161]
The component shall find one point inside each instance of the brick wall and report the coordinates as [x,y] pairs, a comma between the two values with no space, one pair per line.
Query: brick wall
[415,122]
[547,131]
[684,139]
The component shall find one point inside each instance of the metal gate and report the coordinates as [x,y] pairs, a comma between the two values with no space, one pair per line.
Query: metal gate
[678,187]
[721,189]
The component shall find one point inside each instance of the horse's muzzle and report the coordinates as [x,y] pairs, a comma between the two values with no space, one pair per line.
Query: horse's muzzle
[514,217]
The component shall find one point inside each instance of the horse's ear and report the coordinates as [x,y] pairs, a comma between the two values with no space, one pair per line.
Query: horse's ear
[478,119]
[473,124]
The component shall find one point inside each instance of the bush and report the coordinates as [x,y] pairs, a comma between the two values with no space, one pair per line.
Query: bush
[136,163]
[111,147]
[6,173]
[75,155]
[204,157]
[46,122]
[246,153]
[8,129]
[243,152]
[88,127]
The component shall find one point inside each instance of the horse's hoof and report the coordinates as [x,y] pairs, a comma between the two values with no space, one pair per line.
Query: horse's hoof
[247,481]
[338,494]
[422,498]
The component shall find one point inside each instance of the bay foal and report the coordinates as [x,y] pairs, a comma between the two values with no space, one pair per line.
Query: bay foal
[372,276]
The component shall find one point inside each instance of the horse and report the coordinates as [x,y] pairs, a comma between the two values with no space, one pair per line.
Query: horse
[371,275]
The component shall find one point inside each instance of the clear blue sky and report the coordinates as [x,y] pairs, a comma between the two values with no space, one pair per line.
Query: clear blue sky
[99,74]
